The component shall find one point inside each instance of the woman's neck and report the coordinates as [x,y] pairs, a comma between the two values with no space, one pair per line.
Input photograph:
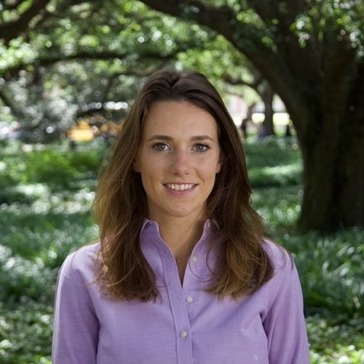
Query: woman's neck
[181,235]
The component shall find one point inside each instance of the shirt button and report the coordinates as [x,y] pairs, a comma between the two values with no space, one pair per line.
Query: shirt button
[189,299]
[183,333]
[195,259]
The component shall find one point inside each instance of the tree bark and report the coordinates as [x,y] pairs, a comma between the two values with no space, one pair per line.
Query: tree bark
[267,96]
[333,183]
[333,156]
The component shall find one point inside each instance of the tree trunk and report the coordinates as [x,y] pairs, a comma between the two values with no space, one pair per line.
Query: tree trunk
[333,158]
[267,97]
[333,186]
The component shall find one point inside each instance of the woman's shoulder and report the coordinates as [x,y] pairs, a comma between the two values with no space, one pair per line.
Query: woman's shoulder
[279,256]
[285,280]
[81,261]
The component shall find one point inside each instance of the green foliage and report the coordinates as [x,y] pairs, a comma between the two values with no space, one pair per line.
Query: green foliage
[53,168]
[264,171]
[22,278]
[336,339]
[44,213]
[39,231]
[60,169]
[333,16]
[40,224]
[332,270]
[25,332]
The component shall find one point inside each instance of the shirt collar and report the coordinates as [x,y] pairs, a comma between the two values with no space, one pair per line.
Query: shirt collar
[147,223]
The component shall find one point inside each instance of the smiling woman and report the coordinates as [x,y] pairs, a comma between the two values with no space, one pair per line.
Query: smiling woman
[178,158]
[182,272]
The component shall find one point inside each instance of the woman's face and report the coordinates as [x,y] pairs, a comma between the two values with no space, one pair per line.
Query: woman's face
[178,158]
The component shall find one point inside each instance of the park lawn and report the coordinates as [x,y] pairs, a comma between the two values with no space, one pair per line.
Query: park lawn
[45,198]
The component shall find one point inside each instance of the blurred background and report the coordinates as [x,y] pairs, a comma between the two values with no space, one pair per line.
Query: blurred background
[292,76]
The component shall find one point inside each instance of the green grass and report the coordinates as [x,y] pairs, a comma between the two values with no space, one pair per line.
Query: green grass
[45,199]
[45,204]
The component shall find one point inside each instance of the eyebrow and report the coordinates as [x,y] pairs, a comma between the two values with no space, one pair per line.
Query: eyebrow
[168,138]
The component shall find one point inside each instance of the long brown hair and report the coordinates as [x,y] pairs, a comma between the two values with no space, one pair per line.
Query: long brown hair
[120,202]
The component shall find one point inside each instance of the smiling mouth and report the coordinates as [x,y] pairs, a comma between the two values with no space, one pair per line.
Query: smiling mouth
[180,186]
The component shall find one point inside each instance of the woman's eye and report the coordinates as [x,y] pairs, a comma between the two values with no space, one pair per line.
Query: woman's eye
[160,147]
[201,148]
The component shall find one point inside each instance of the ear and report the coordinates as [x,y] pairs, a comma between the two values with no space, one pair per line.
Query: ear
[136,166]
[220,163]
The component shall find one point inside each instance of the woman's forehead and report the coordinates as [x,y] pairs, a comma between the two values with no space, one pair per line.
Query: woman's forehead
[169,118]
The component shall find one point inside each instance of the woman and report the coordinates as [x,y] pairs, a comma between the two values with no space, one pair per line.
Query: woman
[182,273]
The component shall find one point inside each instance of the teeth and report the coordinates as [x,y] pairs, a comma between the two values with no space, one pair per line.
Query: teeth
[180,187]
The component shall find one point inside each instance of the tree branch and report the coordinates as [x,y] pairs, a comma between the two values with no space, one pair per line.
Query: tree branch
[244,36]
[12,5]
[15,28]
[48,60]
[8,101]
[238,81]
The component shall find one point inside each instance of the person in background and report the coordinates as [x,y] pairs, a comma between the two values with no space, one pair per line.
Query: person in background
[248,119]
[182,272]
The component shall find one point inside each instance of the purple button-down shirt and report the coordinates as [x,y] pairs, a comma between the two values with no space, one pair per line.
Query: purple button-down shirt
[186,325]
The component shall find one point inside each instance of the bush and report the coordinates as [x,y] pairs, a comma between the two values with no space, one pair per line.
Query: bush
[336,339]
[11,195]
[25,332]
[21,278]
[58,168]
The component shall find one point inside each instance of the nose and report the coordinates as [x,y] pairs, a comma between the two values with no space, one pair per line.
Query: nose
[181,163]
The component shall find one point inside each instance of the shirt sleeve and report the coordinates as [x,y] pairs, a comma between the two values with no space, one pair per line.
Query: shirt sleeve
[75,325]
[285,323]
